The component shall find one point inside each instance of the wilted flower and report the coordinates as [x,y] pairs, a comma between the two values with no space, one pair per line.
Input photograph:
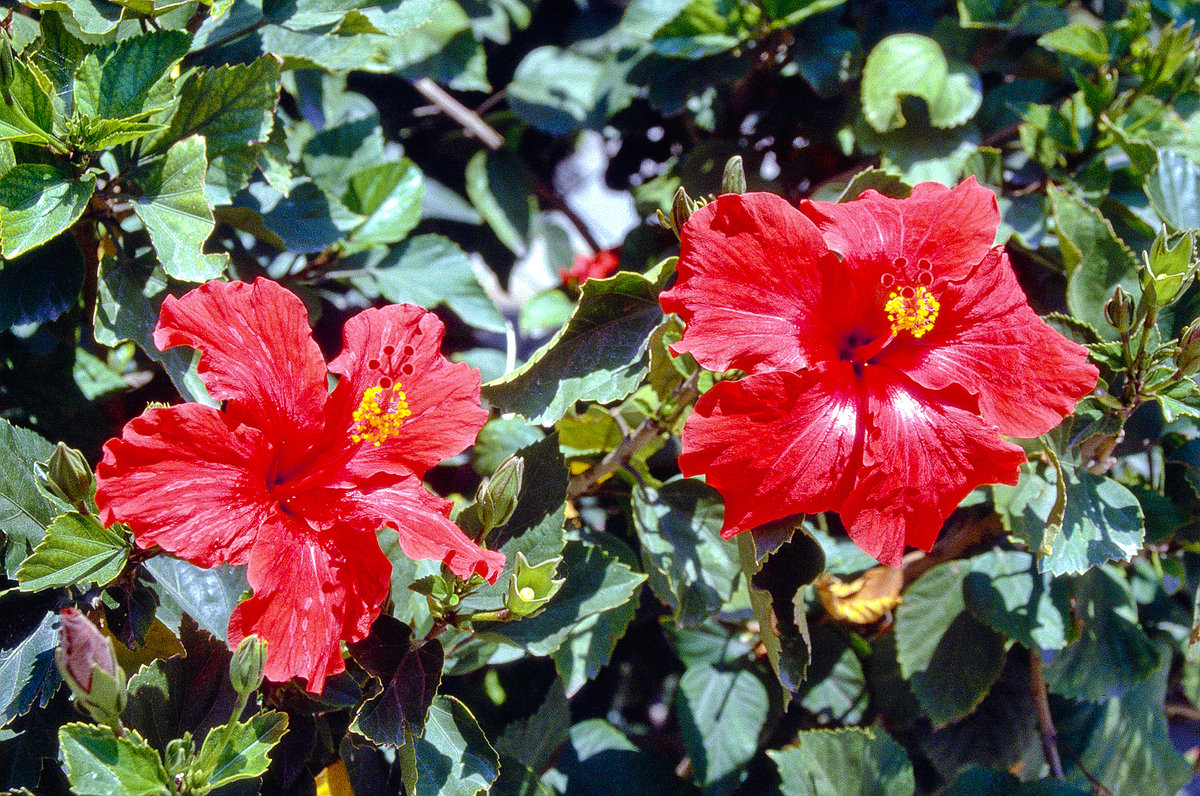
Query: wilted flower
[880,377]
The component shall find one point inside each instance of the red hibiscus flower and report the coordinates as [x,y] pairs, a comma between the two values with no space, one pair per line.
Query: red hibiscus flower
[293,479]
[888,346]
[596,266]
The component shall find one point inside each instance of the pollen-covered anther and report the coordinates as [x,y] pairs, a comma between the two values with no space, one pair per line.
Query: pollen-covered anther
[380,414]
[912,309]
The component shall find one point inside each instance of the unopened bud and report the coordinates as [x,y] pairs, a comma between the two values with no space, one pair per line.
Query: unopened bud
[734,178]
[248,664]
[497,498]
[682,208]
[1187,357]
[68,475]
[1119,310]
[88,665]
[532,587]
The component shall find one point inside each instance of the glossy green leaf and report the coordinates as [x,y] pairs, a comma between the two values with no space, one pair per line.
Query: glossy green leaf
[28,675]
[37,202]
[536,739]
[1102,521]
[233,107]
[388,196]
[705,27]
[25,509]
[721,713]
[125,80]
[836,686]
[230,754]
[560,91]
[29,118]
[101,764]
[907,64]
[950,658]
[679,526]
[431,271]
[1080,40]
[94,17]
[850,762]
[75,549]
[177,215]
[1174,190]
[1112,653]
[598,759]
[501,188]
[453,757]
[1005,590]
[208,596]
[599,355]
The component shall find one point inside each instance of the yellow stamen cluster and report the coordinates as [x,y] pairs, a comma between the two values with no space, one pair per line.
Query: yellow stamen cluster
[380,415]
[912,310]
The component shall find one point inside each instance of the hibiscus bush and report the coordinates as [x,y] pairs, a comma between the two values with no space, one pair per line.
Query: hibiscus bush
[722,397]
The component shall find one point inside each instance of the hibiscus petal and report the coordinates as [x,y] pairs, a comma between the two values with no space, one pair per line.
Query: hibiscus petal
[1026,375]
[776,444]
[923,454]
[750,286]
[312,590]
[952,228]
[258,354]
[400,346]
[189,480]
[426,532]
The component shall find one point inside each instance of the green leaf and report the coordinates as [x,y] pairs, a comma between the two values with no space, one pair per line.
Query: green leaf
[560,91]
[94,378]
[29,118]
[389,196]
[721,714]
[30,292]
[1124,742]
[94,17]
[101,764]
[28,675]
[1179,399]
[598,759]
[536,739]
[705,27]
[75,549]
[453,758]
[37,202]
[1080,40]
[240,752]
[885,182]
[596,582]
[500,439]
[100,134]
[589,645]
[331,156]
[208,596]
[778,560]
[428,270]
[977,781]
[1174,190]
[25,510]
[836,688]
[907,64]
[176,214]
[679,526]
[789,12]
[502,189]
[125,80]
[949,658]
[233,107]
[847,762]
[1096,259]
[306,220]
[1005,590]
[1113,653]
[599,355]
[1102,522]
[407,676]
[130,295]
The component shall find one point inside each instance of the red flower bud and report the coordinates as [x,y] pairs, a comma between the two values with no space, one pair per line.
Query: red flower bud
[82,646]
[598,266]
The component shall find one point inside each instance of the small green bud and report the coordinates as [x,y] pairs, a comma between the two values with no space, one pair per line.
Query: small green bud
[88,664]
[248,664]
[532,587]
[68,475]
[496,499]
[1119,310]
[734,178]
[682,208]
[1171,268]
[179,754]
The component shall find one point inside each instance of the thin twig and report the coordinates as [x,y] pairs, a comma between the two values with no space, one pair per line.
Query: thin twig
[474,124]
[1041,702]
[683,396]
[471,121]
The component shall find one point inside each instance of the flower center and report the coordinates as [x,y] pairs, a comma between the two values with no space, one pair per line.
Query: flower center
[380,414]
[912,310]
